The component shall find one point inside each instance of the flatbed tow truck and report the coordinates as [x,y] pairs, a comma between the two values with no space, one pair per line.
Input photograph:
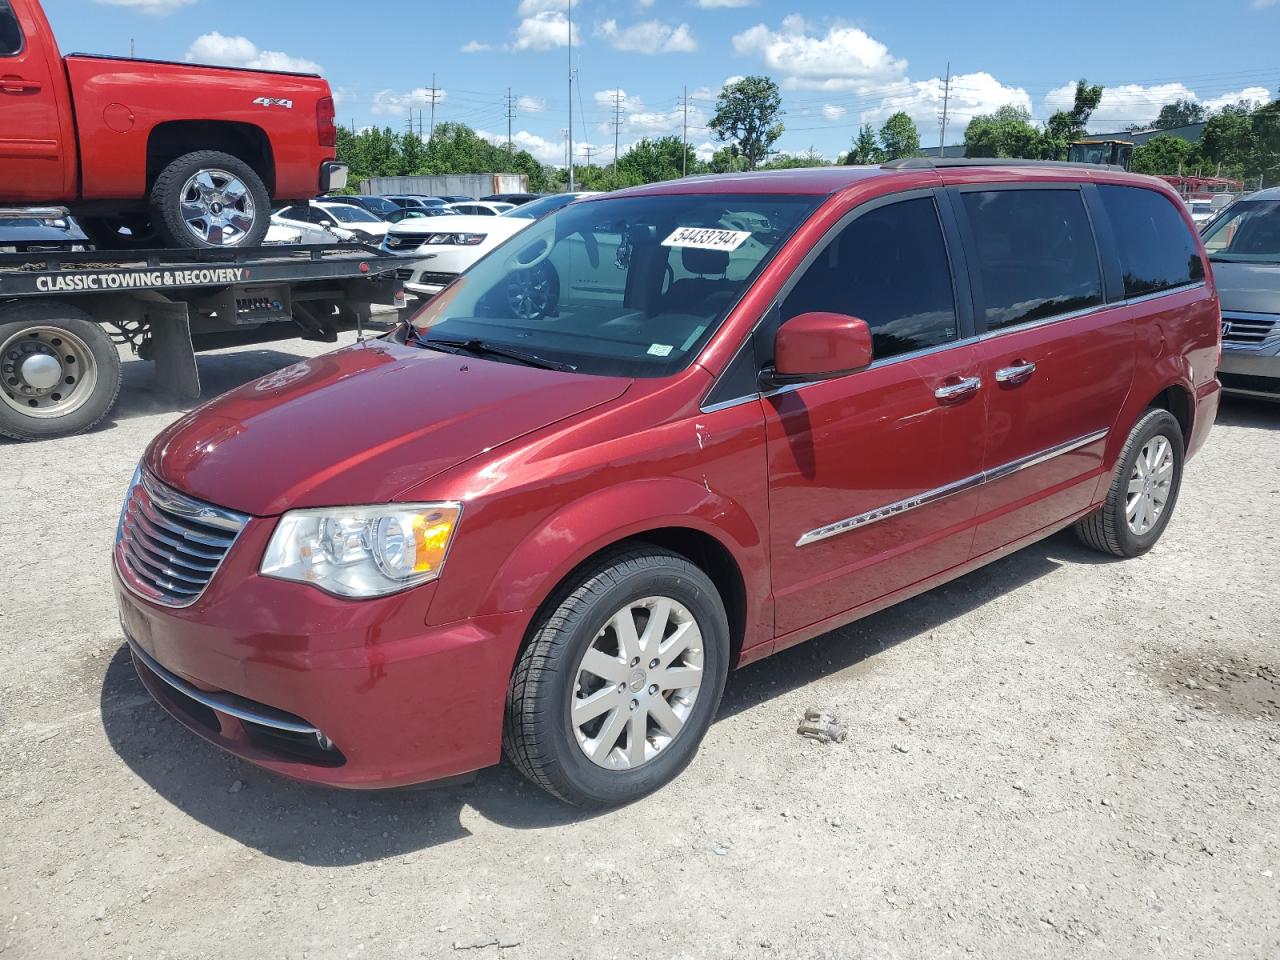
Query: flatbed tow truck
[62,315]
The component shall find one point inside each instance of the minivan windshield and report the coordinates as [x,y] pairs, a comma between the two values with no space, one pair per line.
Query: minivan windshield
[1247,232]
[349,214]
[619,286]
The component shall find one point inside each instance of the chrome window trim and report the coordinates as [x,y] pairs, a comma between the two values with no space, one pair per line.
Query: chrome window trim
[223,703]
[980,338]
[947,490]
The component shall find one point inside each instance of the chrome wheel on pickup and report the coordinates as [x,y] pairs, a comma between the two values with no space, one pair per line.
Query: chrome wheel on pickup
[210,199]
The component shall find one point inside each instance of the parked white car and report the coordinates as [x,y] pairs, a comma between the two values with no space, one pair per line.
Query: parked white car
[481,208]
[444,247]
[328,222]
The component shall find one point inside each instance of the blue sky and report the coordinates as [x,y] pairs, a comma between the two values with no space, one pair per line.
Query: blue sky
[839,63]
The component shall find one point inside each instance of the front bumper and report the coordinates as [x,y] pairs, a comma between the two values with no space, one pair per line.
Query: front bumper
[333,176]
[1251,373]
[356,694]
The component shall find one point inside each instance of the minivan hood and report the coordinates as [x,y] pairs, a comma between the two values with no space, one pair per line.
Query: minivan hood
[1247,287]
[506,226]
[360,425]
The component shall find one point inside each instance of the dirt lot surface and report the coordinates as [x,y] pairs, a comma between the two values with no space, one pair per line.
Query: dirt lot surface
[1056,756]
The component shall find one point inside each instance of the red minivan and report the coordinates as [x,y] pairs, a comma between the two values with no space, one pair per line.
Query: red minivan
[658,434]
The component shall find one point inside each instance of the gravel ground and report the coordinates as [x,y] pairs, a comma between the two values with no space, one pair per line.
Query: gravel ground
[1055,756]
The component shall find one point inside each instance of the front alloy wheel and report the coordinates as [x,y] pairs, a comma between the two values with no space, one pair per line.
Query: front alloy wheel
[620,679]
[637,683]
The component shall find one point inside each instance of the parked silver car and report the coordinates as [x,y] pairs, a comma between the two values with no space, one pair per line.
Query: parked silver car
[1244,245]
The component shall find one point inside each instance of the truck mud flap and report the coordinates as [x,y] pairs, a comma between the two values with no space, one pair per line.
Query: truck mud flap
[171,349]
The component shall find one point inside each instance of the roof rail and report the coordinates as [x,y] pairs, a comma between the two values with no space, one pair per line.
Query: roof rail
[929,163]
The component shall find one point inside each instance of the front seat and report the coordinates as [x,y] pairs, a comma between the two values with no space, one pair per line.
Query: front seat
[694,291]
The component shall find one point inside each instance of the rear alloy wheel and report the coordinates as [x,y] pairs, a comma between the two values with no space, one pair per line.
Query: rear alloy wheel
[620,680]
[210,199]
[1143,491]
[59,371]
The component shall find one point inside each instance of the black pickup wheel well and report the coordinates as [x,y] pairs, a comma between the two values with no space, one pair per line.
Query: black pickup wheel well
[176,138]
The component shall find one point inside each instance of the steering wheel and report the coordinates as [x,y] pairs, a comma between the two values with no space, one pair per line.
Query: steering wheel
[515,263]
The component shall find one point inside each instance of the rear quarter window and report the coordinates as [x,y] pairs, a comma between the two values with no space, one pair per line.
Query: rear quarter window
[10,35]
[1157,249]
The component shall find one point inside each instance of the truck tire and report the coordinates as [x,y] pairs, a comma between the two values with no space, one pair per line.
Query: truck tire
[210,199]
[122,232]
[59,371]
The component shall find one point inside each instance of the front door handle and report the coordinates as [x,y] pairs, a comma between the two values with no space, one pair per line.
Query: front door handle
[1017,372]
[12,84]
[951,392]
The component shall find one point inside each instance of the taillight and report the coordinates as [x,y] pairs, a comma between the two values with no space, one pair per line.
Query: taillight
[326,127]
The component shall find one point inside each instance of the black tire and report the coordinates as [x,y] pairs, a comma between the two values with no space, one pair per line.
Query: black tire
[94,354]
[123,232]
[1107,529]
[538,735]
[167,197]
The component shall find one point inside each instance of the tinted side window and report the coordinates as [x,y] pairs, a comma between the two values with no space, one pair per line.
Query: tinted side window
[890,268]
[10,35]
[1157,250]
[1035,254]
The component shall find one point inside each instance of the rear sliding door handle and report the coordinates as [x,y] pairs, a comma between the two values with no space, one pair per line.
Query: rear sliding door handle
[948,393]
[1019,371]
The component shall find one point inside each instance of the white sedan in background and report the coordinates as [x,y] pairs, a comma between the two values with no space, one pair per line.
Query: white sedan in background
[480,208]
[443,247]
[330,222]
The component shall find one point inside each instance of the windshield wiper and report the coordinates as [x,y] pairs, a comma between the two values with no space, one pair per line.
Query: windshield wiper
[483,347]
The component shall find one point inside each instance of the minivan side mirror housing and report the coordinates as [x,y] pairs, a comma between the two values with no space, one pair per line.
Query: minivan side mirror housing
[817,346]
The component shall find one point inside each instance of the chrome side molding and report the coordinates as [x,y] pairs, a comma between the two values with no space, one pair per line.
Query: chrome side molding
[951,489]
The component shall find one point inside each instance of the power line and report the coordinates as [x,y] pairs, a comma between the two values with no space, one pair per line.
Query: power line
[946,97]
[617,124]
[511,114]
[684,134]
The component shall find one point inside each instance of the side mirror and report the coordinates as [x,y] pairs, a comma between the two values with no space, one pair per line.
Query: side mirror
[817,346]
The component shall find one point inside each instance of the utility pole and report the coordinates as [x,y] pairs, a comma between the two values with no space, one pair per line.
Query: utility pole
[569,151]
[131,48]
[587,150]
[684,136]
[511,114]
[435,95]
[617,125]
[946,102]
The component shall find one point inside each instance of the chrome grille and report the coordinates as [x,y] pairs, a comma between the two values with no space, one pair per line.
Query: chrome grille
[406,241]
[170,545]
[1249,330]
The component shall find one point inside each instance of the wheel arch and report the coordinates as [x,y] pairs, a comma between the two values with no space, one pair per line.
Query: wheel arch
[175,138]
[715,534]
[1176,399]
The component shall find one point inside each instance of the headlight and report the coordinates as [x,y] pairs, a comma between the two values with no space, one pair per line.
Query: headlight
[465,239]
[362,551]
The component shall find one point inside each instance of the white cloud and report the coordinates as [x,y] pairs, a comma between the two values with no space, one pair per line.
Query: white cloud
[1130,103]
[844,58]
[154,8]
[242,52]
[833,113]
[705,151]
[1259,4]
[639,120]
[543,150]
[530,104]
[544,30]
[530,8]
[475,46]
[605,100]
[648,36]
[971,94]
[714,4]
[1252,94]
[397,103]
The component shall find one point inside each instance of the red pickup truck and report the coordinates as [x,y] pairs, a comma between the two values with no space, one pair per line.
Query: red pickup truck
[151,153]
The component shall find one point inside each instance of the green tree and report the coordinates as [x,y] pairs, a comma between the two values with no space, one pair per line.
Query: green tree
[899,137]
[866,149]
[1066,126]
[726,160]
[1008,132]
[788,161]
[1164,155]
[747,115]
[1181,113]
[649,161]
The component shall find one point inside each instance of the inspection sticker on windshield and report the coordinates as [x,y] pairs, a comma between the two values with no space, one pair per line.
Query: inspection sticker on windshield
[705,238]
[660,349]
